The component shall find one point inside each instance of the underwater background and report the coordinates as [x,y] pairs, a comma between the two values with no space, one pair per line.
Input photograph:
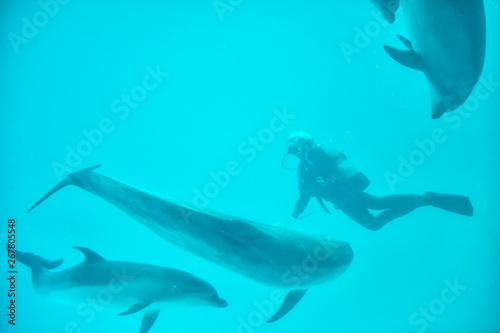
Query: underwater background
[225,76]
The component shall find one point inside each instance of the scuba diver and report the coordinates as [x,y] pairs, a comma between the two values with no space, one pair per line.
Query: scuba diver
[328,175]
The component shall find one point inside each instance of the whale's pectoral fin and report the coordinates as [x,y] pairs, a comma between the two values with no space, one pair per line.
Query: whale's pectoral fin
[408,58]
[65,182]
[148,320]
[291,299]
[135,308]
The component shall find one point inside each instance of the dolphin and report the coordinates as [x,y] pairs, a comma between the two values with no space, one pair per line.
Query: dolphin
[448,43]
[271,255]
[388,8]
[131,287]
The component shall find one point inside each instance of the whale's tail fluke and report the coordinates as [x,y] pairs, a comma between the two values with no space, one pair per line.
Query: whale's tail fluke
[68,180]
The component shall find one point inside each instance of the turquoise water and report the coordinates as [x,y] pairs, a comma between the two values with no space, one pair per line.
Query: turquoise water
[208,86]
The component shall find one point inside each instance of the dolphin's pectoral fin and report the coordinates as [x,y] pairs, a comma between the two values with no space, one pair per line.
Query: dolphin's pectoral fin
[135,308]
[148,320]
[90,256]
[291,299]
[409,58]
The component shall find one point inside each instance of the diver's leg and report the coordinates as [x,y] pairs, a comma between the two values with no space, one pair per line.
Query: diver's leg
[362,216]
[356,205]
[353,205]
[406,203]
[395,206]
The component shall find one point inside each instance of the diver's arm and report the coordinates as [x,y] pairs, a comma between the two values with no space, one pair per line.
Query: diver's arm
[301,204]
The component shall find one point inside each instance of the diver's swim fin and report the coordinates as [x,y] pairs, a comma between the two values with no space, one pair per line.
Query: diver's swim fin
[453,203]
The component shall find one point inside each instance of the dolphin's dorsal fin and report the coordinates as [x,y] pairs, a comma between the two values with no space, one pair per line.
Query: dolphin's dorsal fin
[409,59]
[90,256]
[406,42]
[291,299]
[148,320]
[135,308]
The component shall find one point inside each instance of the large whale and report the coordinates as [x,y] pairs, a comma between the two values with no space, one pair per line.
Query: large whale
[130,287]
[448,42]
[275,256]
[388,8]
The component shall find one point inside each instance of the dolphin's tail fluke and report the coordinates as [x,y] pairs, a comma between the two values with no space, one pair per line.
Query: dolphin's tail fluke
[37,264]
[33,261]
[68,180]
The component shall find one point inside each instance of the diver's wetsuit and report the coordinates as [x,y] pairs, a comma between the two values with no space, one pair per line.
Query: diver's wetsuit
[319,177]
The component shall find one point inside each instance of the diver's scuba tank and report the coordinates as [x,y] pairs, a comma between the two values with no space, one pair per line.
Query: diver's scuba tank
[349,174]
